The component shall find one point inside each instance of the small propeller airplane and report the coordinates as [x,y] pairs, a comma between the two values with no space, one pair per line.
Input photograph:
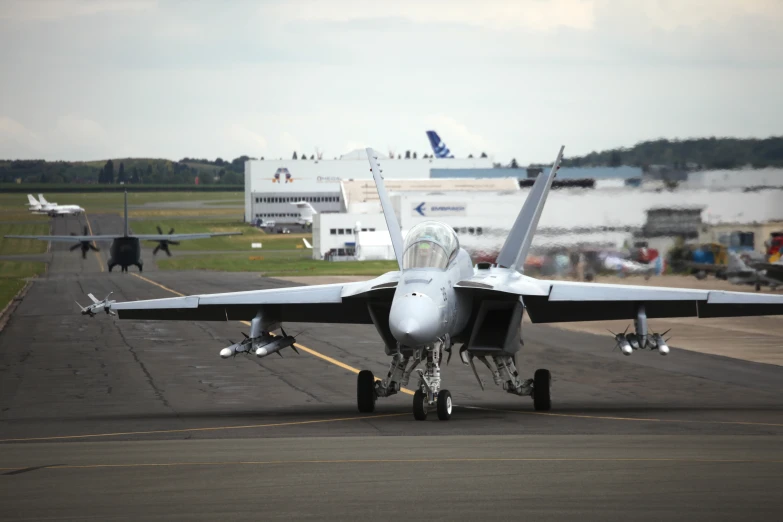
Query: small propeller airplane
[438,299]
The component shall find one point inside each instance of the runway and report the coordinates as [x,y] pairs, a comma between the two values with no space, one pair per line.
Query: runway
[128,420]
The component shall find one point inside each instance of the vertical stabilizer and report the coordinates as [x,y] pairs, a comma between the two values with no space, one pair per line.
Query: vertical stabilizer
[517,245]
[42,199]
[127,228]
[388,211]
[438,147]
[33,201]
[736,264]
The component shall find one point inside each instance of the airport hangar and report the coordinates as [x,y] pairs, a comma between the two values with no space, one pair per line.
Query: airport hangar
[272,185]
[602,217]
[480,201]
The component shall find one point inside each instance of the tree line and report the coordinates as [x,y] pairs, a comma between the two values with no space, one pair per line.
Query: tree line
[691,154]
[126,171]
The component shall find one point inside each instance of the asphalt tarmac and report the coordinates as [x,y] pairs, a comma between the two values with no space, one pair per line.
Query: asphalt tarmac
[142,420]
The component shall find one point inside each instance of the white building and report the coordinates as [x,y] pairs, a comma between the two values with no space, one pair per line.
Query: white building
[571,216]
[735,179]
[271,185]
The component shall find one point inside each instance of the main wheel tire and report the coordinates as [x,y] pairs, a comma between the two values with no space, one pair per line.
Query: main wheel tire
[444,405]
[420,405]
[365,391]
[542,381]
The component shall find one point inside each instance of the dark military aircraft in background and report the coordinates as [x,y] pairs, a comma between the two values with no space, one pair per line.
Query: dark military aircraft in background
[125,248]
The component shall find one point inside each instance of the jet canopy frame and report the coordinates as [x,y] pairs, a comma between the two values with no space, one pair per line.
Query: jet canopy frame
[430,244]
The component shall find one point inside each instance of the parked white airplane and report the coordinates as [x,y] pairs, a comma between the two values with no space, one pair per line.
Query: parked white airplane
[35,205]
[52,209]
[306,213]
[438,299]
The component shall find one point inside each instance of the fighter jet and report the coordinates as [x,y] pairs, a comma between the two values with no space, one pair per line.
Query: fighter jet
[126,247]
[758,274]
[438,302]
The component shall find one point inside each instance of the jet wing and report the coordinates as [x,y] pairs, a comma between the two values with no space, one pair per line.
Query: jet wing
[66,239]
[182,237]
[565,301]
[333,303]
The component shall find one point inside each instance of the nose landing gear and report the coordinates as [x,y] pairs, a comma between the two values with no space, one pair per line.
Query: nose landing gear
[428,393]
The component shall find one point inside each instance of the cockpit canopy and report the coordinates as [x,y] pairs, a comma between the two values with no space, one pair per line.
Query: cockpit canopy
[430,244]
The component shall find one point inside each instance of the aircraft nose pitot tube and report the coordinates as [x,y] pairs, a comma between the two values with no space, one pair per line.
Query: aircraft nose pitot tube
[415,319]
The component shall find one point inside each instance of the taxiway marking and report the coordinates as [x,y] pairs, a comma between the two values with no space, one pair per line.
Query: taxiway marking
[300,346]
[633,419]
[403,461]
[211,428]
[97,256]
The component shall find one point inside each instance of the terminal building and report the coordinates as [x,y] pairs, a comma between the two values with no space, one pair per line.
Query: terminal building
[272,185]
[571,218]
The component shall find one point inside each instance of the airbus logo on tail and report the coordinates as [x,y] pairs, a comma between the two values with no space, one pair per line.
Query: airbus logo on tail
[438,147]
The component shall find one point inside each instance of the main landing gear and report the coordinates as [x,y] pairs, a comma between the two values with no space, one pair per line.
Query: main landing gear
[124,268]
[428,393]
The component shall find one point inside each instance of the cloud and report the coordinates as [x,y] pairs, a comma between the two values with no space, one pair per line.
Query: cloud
[534,15]
[58,9]
[245,138]
[12,130]
[80,131]
[16,140]
[289,144]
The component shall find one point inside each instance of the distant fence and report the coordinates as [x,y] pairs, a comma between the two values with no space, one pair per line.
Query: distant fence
[9,188]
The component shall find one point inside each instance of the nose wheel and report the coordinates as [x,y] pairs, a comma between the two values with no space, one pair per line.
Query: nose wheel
[443,405]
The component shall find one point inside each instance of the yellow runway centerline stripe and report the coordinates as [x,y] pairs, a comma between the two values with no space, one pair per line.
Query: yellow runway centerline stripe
[409,461]
[300,346]
[211,428]
[97,256]
[166,288]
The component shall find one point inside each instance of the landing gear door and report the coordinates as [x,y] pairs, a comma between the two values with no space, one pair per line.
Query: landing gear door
[379,313]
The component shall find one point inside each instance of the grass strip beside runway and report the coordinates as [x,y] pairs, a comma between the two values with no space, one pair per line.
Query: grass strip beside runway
[13,276]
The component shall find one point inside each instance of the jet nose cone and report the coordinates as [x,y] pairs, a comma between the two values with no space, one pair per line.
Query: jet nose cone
[415,320]
[409,326]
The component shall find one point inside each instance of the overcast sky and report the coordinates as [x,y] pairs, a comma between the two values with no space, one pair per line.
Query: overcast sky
[97,79]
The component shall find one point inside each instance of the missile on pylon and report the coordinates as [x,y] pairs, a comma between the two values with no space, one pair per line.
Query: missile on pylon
[276,345]
[625,346]
[236,349]
[660,343]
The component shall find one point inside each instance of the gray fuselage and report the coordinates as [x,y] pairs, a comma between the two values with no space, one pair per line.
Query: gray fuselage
[426,307]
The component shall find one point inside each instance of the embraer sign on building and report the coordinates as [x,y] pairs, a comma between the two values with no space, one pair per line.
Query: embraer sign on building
[440,208]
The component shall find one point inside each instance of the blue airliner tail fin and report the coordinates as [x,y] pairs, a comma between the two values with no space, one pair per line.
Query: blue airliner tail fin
[438,147]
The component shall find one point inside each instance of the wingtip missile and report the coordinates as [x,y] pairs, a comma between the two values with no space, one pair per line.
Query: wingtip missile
[97,306]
